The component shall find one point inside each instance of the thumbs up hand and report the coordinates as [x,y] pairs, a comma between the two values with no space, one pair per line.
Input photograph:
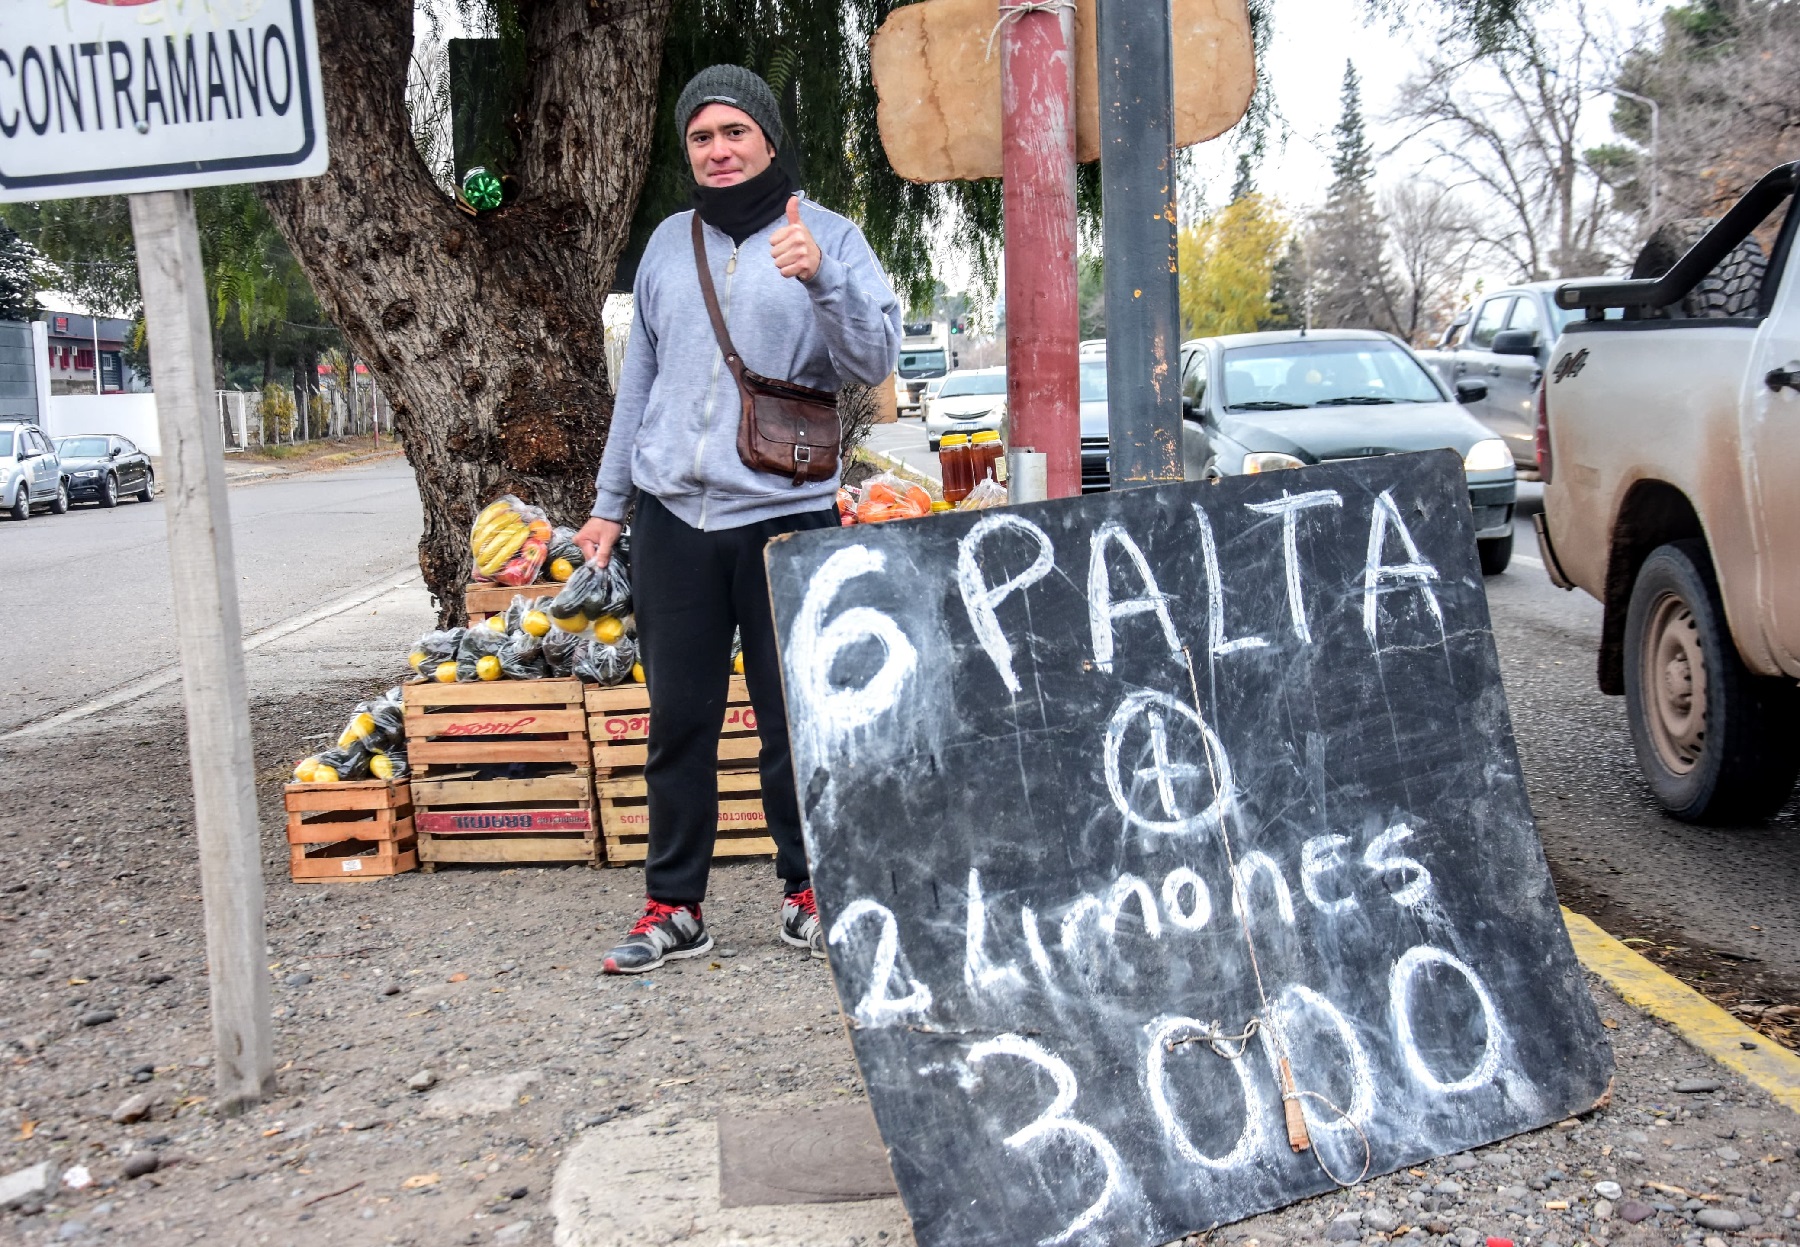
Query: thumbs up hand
[794,251]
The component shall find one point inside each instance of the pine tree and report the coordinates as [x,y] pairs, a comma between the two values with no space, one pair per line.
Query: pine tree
[18,289]
[1245,182]
[1351,285]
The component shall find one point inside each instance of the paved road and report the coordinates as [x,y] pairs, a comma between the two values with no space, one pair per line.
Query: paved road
[87,593]
[1732,889]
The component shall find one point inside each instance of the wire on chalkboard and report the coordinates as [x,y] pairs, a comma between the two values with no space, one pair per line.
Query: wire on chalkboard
[1295,1119]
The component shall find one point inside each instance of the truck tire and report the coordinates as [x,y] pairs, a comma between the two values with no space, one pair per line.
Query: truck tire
[1731,289]
[1495,552]
[1717,743]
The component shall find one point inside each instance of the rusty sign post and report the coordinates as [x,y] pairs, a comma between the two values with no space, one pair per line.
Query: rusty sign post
[1043,328]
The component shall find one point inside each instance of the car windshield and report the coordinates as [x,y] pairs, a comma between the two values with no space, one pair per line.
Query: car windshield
[958,387]
[921,363]
[6,443]
[1291,375]
[1093,380]
[82,448]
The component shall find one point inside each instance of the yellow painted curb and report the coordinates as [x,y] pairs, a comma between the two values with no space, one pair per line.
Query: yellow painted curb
[1641,984]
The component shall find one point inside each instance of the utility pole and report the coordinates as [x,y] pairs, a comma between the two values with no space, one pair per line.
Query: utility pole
[1043,326]
[1137,174]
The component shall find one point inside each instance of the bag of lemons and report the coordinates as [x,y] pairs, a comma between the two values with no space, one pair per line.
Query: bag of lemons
[509,541]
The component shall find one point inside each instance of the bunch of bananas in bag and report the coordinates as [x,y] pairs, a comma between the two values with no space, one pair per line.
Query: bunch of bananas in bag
[509,542]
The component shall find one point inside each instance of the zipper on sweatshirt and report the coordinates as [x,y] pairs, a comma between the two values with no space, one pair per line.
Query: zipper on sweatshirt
[719,363]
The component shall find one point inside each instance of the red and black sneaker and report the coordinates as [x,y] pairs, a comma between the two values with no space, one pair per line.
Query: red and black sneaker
[800,922]
[665,931]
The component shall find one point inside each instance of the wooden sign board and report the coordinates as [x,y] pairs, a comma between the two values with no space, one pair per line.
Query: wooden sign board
[1117,804]
[939,88]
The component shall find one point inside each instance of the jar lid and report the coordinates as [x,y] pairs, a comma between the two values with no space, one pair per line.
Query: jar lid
[986,435]
[953,439]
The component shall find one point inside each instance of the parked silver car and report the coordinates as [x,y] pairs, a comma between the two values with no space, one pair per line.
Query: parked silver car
[30,473]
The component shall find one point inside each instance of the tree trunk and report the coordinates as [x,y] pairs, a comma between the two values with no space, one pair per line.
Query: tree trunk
[485,333]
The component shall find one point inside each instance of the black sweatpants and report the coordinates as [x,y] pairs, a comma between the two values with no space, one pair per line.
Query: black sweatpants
[689,590]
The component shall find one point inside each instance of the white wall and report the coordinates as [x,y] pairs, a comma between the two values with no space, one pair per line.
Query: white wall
[128,415]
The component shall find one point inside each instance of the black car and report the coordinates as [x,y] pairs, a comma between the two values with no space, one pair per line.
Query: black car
[1260,402]
[102,466]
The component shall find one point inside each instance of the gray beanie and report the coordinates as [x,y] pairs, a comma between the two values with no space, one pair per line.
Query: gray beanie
[733,85]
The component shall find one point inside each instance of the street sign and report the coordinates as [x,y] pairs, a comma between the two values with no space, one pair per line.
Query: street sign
[1173,851]
[102,97]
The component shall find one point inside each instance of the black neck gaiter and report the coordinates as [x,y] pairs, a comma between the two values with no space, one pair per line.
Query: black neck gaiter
[745,207]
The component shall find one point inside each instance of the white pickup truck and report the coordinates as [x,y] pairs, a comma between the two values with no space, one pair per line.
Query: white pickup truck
[1669,445]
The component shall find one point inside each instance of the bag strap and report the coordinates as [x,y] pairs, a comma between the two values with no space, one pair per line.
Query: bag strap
[712,305]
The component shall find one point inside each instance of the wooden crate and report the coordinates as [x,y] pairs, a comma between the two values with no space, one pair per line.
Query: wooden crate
[481,599]
[495,721]
[344,832]
[625,818]
[619,725]
[544,815]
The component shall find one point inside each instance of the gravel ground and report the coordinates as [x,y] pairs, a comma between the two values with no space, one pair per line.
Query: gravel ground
[482,983]
[484,980]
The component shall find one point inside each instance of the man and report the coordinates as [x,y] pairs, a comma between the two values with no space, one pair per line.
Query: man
[804,301]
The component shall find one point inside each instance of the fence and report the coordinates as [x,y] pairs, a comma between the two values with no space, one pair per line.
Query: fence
[326,413]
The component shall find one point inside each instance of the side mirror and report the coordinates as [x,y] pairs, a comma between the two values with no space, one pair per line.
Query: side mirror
[1470,390]
[113,453]
[1515,342]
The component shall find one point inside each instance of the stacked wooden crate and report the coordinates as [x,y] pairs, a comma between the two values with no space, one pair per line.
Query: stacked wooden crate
[501,772]
[619,724]
[482,600]
[349,831]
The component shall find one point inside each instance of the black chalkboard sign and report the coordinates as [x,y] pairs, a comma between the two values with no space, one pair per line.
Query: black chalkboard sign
[1129,812]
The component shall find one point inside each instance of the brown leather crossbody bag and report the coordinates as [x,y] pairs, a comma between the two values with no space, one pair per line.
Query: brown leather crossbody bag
[785,429]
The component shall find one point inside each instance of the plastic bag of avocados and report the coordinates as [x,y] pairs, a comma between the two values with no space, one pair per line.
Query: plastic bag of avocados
[432,649]
[377,722]
[478,655]
[558,651]
[593,592]
[606,664]
[565,555]
[334,766]
[389,763]
[522,657]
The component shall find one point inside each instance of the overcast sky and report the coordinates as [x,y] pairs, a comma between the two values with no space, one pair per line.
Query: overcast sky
[1305,68]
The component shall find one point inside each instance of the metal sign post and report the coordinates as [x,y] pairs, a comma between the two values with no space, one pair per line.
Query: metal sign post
[193,96]
[1137,177]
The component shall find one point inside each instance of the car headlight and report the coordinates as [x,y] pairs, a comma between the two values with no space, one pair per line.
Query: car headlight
[1488,455]
[84,475]
[1268,461]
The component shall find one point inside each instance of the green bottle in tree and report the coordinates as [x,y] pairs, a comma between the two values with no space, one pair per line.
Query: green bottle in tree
[481,190]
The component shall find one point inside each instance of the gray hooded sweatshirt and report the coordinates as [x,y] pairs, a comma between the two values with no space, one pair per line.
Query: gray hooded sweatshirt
[675,420]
